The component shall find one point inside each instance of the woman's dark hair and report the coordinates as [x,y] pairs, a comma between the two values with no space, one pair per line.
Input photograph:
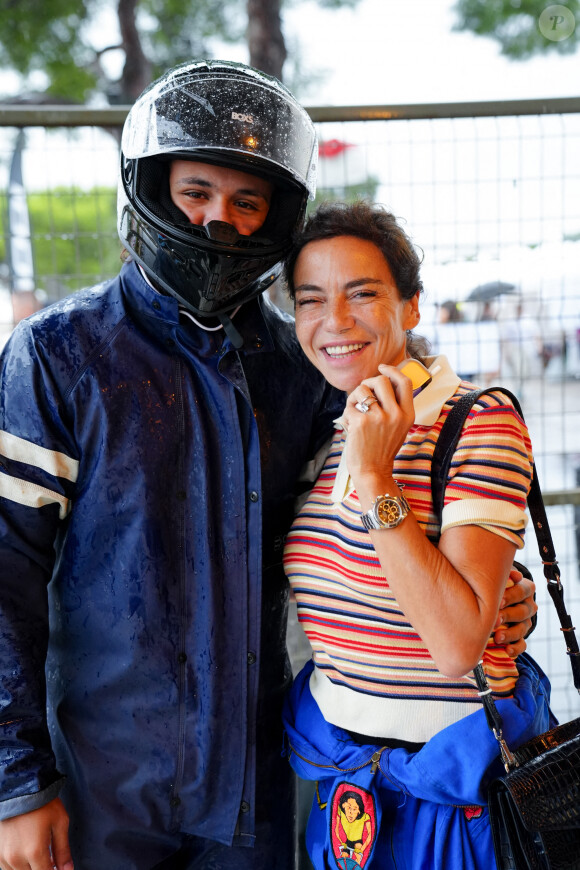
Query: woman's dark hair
[372,223]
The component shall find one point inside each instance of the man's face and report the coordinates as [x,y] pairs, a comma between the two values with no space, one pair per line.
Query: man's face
[205,193]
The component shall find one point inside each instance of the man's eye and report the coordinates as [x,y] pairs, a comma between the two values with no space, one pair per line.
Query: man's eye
[306,301]
[250,206]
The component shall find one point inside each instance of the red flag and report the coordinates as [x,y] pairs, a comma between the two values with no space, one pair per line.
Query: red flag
[333,148]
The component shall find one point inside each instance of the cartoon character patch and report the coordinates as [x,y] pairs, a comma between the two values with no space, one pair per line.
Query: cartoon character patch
[353,826]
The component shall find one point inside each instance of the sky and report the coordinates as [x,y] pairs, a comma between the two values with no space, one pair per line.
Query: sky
[405,51]
[398,51]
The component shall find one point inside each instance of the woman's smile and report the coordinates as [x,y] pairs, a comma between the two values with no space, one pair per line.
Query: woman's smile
[343,351]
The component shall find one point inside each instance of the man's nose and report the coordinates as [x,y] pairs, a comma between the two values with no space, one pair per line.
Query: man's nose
[217,210]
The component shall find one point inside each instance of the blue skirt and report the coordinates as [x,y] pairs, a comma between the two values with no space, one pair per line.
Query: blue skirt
[386,808]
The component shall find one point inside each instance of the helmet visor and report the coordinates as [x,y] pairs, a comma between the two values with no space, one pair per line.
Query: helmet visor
[257,120]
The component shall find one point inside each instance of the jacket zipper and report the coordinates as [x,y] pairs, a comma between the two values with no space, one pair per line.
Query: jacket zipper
[374,761]
[175,800]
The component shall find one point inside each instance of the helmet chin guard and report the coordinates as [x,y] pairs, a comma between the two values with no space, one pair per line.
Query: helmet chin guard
[228,115]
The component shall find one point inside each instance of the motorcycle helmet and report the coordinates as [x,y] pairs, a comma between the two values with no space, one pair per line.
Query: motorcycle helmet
[230,115]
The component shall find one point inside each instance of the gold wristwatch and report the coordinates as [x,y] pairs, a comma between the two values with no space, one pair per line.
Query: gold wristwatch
[386,513]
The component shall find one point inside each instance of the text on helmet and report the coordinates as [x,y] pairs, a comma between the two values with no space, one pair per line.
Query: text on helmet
[238,116]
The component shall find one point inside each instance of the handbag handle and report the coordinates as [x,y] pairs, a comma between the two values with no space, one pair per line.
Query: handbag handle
[444,450]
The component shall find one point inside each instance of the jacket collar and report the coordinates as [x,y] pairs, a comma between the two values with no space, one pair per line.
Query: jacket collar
[252,320]
[429,402]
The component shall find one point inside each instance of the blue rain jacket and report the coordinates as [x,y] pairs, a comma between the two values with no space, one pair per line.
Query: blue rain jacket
[147,479]
[423,810]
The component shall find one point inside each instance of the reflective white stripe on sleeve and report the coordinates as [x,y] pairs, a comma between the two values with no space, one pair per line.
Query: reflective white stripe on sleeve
[31,495]
[20,450]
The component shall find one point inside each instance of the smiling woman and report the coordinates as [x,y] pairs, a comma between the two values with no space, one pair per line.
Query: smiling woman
[361,258]
[395,621]
[353,318]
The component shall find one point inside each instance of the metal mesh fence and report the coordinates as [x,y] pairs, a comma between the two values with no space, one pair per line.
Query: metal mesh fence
[491,195]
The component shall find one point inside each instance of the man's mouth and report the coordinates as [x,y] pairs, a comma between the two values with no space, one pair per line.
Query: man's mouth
[339,351]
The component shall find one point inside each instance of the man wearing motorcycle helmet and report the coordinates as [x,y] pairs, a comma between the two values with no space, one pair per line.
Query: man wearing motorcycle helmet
[159,423]
[153,430]
[214,116]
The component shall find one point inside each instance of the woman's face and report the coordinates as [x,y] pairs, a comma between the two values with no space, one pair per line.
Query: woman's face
[349,315]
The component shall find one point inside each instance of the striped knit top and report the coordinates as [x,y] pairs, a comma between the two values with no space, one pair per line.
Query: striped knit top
[373,674]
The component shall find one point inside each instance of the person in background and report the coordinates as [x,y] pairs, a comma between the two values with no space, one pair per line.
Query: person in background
[457,340]
[521,347]
[399,604]
[153,431]
[449,312]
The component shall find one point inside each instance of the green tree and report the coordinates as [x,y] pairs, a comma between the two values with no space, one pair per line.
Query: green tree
[348,193]
[74,238]
[522,28]
[57,38]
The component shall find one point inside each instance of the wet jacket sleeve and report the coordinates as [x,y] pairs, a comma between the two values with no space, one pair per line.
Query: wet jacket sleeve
[331,407]
[37,473]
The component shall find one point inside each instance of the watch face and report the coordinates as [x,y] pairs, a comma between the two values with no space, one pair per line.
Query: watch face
[388,511]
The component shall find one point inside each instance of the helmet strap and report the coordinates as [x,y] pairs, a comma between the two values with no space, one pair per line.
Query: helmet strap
[224,319]
[231,331]
[203,326]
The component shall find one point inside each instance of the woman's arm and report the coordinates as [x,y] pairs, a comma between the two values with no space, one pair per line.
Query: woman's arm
[450,593]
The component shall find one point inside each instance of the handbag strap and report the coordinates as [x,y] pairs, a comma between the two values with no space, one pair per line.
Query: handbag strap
[443,454]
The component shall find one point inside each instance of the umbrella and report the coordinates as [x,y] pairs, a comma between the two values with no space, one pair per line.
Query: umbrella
[485,292]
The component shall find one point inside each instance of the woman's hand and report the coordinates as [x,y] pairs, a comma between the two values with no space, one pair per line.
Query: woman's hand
[375,437]
[514,620]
